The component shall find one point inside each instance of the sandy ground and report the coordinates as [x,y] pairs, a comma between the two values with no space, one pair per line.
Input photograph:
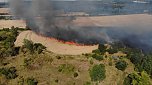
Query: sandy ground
[139,20]
[5,10]
[54,45]
[10,23]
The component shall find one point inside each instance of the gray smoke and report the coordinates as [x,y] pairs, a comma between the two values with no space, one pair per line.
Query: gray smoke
[42,18]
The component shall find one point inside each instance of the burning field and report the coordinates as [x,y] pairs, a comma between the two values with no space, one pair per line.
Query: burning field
[43,19]
[54,45]
[46,46]
[73,48]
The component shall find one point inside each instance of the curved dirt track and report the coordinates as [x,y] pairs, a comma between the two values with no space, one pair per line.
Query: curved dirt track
[53,45]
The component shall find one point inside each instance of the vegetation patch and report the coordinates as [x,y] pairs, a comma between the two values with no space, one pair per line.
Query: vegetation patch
[10,73]
[7,39]
[66,68]
[98,57]
[121,65]
[141,78]
[75,74]
[31,81]
[32,47]
[97,73]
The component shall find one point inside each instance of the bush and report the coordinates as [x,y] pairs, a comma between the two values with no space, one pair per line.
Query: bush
[37,47]
[66,68]
[29,45]
[97,73]
[56,80]
[102,48]
[147,64]
[112,50]
[91,61]
[142,62]
[97,57]
[10,73]
[32,81]
[27,62]
[75,74]
[14,31]
[7,39]
[121,65]
[97,51]
[87,83]
[137,79]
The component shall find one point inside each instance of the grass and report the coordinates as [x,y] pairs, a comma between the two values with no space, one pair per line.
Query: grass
[44,68]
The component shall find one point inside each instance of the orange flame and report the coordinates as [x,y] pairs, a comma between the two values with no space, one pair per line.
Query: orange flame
[62,41]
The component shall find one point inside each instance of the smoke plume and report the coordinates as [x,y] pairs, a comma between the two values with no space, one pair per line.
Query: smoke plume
[42,18]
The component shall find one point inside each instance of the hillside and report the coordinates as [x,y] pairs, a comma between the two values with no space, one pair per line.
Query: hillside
[32,64]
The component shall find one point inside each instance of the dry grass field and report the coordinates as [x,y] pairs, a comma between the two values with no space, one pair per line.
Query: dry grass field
[44,68]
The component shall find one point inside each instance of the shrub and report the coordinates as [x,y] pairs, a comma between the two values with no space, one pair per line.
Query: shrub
[56,80]
[37,47]
[66,68]
[102,48]
[97,51]
[110,63]
[27,62]
[14,31]
[112,50]
[97,73]
[58,57]
[75,74]
[142,62]
[10,73]
[137,79]
[91,61]
[121,65]
[87,83]
[7,38]
[29,45]
[97,57]
[147,64]
[32,81]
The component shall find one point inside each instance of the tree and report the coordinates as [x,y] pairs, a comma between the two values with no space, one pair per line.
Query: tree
[97,73]
[29,45]
[33,47]
[141,78]
[102,48]
[121,65]
[38,47]
[14,31]
[97,57]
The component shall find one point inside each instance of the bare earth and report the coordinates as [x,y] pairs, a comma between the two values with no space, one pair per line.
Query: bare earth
[5,10]
[140,20]
[10,23]
[54,45]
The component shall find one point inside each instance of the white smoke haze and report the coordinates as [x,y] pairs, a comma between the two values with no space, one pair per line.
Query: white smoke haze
[42,18]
